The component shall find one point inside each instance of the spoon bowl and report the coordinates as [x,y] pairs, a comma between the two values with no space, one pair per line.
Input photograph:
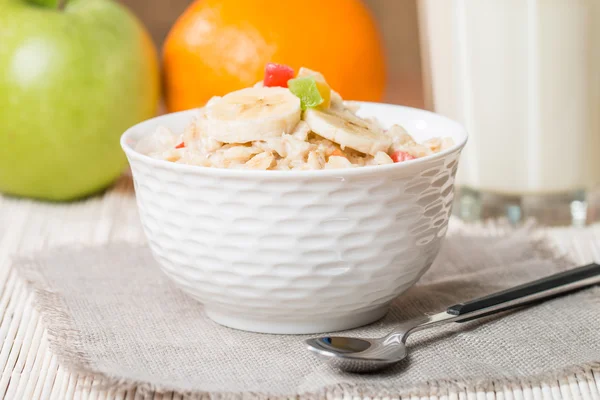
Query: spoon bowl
[359,354]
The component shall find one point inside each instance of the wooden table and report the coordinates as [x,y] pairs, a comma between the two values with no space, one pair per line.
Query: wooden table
[30,371]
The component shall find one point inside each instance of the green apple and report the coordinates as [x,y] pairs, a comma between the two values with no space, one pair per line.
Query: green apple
[74,76]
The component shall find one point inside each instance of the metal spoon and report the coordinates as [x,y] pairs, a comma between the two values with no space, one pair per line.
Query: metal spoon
[365,355]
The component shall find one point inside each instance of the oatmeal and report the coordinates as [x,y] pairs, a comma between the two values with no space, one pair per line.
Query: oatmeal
[286,124]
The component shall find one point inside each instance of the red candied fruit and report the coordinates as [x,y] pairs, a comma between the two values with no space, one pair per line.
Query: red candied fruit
[277,75]
[399,156]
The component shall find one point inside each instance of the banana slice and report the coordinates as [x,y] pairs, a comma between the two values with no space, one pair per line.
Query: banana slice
[347,130]
[251,114]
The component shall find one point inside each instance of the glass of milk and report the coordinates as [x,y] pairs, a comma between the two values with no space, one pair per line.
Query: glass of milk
[523,76]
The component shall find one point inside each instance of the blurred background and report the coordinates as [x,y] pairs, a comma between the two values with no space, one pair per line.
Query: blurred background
[522,76]
[397,21]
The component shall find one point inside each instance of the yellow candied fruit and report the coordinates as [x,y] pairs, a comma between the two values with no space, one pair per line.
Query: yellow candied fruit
[325,92]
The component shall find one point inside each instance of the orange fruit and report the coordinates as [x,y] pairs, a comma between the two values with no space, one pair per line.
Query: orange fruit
[217,46]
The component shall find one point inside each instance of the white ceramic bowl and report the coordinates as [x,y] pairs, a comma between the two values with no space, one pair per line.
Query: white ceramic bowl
[297,252]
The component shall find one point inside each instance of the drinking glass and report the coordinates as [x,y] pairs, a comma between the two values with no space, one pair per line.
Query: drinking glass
[523,76]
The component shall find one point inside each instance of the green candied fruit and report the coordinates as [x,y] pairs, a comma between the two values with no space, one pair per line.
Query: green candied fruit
[307,90]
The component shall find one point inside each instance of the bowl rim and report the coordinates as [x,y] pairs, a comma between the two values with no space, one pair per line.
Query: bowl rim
[134,155]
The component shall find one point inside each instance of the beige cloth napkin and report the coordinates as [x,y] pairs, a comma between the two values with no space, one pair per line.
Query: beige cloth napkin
[110,312]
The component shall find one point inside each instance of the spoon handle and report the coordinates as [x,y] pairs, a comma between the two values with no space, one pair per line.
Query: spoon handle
[541,289]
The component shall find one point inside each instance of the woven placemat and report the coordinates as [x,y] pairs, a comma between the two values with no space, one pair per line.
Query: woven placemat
[110,312]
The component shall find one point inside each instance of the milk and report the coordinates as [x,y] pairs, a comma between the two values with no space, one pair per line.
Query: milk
[523,76]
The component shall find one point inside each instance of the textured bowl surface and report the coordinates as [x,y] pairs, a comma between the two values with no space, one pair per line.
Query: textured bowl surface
[297,252]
